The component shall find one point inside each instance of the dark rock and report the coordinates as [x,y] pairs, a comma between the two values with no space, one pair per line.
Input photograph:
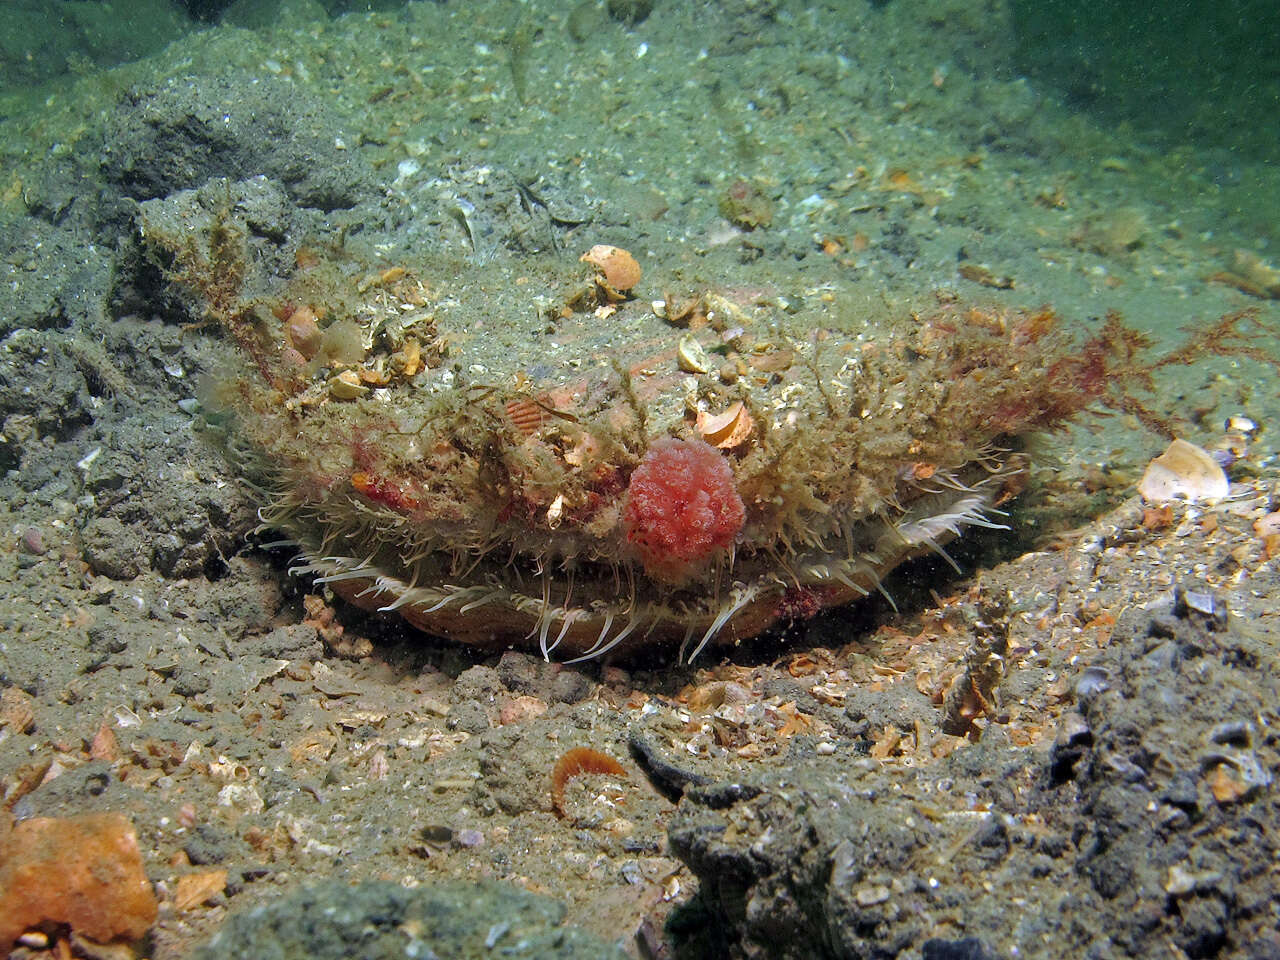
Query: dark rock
[191,680]
[385,921]
[553,682]
[209,843]
[670,779]
[478,683]
[968,948]
[178,135]
[894,707]
[520,672]
[112,549]
[468,716]
[297,641]
[105,639]
[515,785]
[815,862]
[569,686]
[786,688]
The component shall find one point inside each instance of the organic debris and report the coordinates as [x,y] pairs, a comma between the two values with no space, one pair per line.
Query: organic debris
[1250,274]
[577,762]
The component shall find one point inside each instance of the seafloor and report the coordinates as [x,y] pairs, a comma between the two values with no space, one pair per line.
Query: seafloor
[1068,750]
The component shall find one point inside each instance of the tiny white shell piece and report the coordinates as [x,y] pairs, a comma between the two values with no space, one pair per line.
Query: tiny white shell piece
[555,511]
[1241,424]
[1184,472]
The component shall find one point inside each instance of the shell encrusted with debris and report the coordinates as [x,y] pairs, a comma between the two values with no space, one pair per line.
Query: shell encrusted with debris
[545,482]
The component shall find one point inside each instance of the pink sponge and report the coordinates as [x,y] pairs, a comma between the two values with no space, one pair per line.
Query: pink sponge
[681,508]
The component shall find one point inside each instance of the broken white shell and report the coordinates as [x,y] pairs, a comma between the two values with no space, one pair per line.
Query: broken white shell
[1184,472]
[690,355]
[347,386]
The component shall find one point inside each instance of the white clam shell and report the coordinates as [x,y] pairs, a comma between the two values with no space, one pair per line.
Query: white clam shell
[1184,472]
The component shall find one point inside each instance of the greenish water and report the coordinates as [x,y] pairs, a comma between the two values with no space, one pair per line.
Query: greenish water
[1104,156]
[1206,71]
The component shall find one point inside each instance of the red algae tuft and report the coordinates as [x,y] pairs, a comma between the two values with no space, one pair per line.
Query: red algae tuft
[682,509]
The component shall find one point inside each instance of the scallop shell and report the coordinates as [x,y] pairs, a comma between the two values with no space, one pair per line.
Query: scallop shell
[526,415]
[1184,472]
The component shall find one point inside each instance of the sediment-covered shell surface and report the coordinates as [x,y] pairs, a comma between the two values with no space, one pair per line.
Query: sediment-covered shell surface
[539,477]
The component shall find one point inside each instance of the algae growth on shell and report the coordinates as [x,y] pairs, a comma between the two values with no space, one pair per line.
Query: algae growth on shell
[539,478]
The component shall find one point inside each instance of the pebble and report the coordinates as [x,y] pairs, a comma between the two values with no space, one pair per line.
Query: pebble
[32,541]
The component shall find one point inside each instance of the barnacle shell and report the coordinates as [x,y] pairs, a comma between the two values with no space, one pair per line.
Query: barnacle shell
[1183,472]
[617,269]
[728,429]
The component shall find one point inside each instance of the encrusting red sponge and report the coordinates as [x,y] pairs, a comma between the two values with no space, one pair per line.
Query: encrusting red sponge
[681,508]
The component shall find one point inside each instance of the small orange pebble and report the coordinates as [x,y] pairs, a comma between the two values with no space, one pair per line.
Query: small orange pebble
[303,332]
[617,270]
[899,179]
[575,763]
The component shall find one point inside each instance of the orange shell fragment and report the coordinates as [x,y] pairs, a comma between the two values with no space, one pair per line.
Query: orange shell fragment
[618,268]
[728,429]
[84,871]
